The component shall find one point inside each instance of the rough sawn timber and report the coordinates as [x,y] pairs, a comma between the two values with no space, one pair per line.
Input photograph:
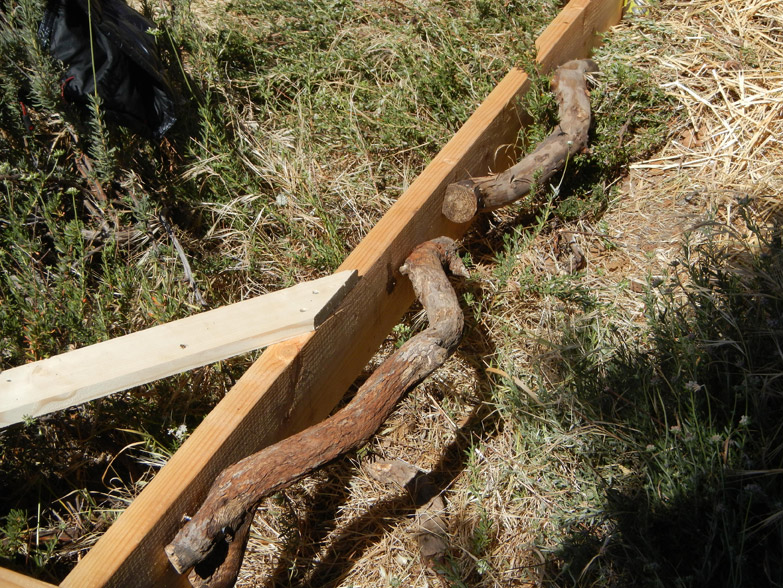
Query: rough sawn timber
[297,383]
[91,372]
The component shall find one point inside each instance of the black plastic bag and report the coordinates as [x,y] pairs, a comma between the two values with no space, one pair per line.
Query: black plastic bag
[128,72]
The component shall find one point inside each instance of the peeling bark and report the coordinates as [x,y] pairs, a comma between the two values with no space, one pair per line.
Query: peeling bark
[465,198]
[226,512]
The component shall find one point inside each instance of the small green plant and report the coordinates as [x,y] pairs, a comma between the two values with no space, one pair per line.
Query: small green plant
[403,332]
[14,530]
[482,535]
[630,120]
[692,393]
[102,151]
[22,541]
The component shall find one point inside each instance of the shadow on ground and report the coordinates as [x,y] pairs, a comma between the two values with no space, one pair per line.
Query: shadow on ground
[700,407]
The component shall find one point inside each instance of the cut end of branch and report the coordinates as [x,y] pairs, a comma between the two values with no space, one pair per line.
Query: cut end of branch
[173,553]
[460,203]
[581,65]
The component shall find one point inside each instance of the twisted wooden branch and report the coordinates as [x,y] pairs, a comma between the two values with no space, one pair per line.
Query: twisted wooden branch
[463,199]
[221,525]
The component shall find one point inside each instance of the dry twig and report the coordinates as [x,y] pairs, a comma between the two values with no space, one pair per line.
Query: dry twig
[184,259]
[463,199]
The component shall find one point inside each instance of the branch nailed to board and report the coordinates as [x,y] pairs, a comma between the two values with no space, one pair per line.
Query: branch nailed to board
[463,199]
[221,524]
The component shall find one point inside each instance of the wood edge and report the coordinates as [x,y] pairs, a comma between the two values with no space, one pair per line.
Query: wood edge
[178,474]
[351,279]
[357,259]
[582,19]
[12,579]
[186,466]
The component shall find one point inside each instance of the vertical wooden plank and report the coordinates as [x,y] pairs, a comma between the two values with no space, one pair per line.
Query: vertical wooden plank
[580,21]
[297,383]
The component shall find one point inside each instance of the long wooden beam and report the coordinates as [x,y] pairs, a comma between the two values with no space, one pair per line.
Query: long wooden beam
[91,372]
[297,383]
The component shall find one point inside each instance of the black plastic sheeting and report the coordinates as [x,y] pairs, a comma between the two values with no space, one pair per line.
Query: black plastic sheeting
[128,72]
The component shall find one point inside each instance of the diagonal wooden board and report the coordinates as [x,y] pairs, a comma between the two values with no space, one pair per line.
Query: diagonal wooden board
[91,372]
[298,382]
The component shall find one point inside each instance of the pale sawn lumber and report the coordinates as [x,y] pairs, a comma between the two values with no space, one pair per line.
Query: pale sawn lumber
[65,380]
[238,489]
[297,383]
[479,194]
[11,579]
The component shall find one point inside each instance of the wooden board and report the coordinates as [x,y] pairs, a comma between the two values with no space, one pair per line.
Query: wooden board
[297,383]
[65,380]
[9,579]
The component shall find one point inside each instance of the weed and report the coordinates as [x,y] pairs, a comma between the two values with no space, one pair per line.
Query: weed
[630,120]
[698,398]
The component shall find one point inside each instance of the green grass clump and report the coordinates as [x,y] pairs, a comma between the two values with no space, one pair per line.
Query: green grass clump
[631,118]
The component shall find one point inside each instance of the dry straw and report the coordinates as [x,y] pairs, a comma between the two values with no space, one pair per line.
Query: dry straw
[723,63]
[725,68]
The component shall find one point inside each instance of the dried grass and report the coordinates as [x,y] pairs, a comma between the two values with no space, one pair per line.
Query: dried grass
[722,62]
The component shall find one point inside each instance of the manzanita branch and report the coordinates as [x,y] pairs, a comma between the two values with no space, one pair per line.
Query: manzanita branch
[465,198]
[221,524]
